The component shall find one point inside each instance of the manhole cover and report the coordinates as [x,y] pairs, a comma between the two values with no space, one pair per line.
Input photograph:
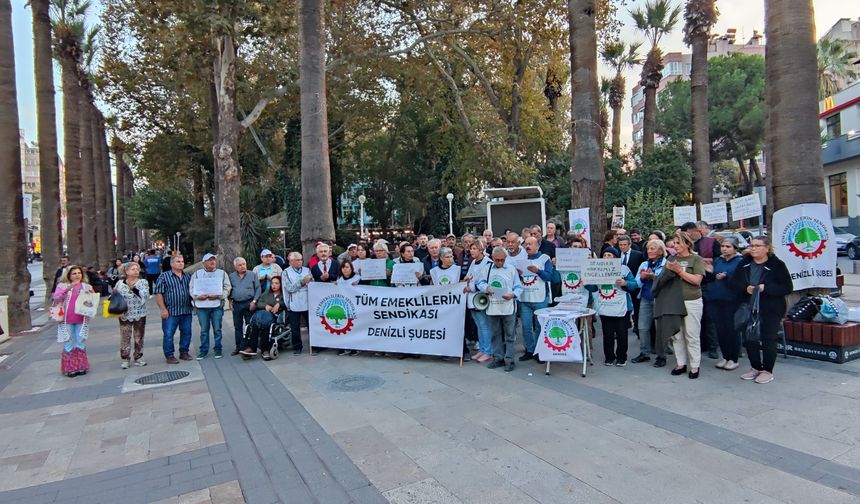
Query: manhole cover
[161,377]
[356,383]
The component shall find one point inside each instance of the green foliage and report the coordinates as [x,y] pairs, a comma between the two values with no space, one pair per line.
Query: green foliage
[650,210]
[666,171]
[336,313]
[164,211]
[835,65]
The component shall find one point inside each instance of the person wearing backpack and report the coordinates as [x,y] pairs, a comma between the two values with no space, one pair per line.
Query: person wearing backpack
[132,323]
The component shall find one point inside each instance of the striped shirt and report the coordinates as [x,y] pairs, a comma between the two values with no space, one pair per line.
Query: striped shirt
[176,292]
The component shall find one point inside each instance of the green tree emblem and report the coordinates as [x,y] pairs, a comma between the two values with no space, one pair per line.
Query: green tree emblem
[558,334]
[572,277]
[496,284]
[336,313]
[579,227]
[805,236]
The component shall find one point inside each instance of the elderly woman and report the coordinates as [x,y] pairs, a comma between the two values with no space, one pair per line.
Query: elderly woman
[479,270]
[690,268]
[762,271]
[380,250]
[132,323]
[655,251]
[445,273]
[73,330]
[722,302]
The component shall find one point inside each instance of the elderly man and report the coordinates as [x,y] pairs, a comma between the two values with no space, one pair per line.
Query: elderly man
[244,290]
[350,253]
[209,287]
[536,291]
[267,269]
[546,246]
[552,235]
[326,269]
[504,288]
[173,297]
[431,260]
[296,279]
[516,253]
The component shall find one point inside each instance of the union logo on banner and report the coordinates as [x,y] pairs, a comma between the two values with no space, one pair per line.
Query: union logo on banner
[579,226]
[336,313]
[572,281]
[607,291]
[558,335]
[529,280]
[806,237]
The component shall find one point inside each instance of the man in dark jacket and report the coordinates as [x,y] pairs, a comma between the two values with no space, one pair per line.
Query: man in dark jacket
[64,263]
[632,259]
[546,247]
[326,268]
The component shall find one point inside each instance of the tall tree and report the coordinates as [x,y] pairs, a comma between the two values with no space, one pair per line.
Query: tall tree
[791,93]
[88,181]
[588,182]
[835,67]
[699,17]
[317,219]
[656,19]
[14,276]
[51,231]
[619,56]
[109,223]
[122,244]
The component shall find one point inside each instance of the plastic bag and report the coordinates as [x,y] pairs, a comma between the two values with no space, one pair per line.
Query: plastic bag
[832,311]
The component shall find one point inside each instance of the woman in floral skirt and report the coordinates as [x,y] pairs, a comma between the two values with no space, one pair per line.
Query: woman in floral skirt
[73,329]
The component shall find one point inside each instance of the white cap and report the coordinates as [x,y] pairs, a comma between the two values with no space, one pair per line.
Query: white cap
[206,257]
[266,252]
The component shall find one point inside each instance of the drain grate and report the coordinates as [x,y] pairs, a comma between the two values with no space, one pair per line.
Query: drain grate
[356,383]
[161,377]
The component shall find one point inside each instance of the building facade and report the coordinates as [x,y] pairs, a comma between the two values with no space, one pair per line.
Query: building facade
[840,155]
[848,32]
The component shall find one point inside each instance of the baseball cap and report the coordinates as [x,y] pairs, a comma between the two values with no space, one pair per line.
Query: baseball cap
[351,246]
[266,252]
[208,256]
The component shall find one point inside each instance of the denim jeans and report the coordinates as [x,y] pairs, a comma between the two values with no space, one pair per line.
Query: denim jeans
[504,331]
[169,326]
[241,316]
[75,340]
[210,317]
[646,317]
[485,335]
[531,327]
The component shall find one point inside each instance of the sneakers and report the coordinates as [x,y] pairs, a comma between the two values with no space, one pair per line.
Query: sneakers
[764,377]
[609,362]
[509,367]
[171,360]
[721,364]
[218,355]
[202,355]
[731,365]
[140,363]
[621,363]
[495,364]
[124,364]
[660,362]
[640,358]
[752,374]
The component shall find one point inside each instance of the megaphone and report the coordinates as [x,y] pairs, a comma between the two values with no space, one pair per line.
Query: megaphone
[481,301]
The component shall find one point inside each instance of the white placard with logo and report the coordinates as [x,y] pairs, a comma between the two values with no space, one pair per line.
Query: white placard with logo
[418,320]
[580,224]
[601,271]
[559,339]
[684,214]
[746,207]
[404,273]
[715,213]
[803,238]
[571,259]
[373,269]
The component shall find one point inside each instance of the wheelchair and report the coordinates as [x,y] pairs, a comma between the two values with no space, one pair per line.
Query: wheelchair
[278,333]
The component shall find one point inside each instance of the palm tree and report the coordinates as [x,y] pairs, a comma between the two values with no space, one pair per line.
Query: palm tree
[657,19]
[317,219]
[620,57]
[793,142]
[68,26]
[587,180]
[700,16]
[14,276]
[835,67]
[605,90]
[51,231]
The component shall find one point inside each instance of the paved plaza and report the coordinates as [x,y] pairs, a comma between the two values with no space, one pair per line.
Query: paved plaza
[365,429]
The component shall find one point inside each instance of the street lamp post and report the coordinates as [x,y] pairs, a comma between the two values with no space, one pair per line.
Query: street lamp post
[450,213]
[178,234]
[361,200]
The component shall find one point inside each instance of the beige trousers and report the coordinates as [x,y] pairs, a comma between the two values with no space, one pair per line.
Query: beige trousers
[685,342]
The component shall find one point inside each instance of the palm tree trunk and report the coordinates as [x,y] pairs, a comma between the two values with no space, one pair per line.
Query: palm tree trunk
[99,186]
[791,95]
[616,131]
[104,189]
[317,220]
[74,216]
[110,224]
[14,276]
[649,119]
[51,231]
[588,182]
[703,181]
[132,236]
[88,190]
[121,243]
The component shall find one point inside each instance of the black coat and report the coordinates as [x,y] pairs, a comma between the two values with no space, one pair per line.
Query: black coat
[777,284]
[634,261]
[333,271]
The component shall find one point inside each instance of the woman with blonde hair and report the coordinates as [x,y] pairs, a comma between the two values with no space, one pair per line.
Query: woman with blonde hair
[132,323]
[690,269]
[73,329]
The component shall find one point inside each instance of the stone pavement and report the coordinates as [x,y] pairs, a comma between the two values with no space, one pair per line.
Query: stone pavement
[332,429]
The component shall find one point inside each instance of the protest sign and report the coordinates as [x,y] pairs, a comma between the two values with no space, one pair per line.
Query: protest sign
[684,214]
[420,320]
[618,217]
[373,269]
[580,224]
[601,271]
[804,240]
[570,259]
[746,207]
[715,213]
[404,273]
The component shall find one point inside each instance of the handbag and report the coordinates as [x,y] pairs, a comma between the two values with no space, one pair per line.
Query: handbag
[804,309]
[752,329]
[56,312]
[106,310]
[117,305]
[87,304]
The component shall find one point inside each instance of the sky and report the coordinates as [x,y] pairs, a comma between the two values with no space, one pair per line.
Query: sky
[744,15]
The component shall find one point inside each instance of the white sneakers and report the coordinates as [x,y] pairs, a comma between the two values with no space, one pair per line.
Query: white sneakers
[752,374]
[760,377]
[138,363]
[731,365]
[124,364]
[721,364]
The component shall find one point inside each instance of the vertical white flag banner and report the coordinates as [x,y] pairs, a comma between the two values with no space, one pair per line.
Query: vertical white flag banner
[580,224]
[715,213]
[684,214]
[803,238]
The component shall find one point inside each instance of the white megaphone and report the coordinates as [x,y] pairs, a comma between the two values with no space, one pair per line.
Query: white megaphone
[481,301]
